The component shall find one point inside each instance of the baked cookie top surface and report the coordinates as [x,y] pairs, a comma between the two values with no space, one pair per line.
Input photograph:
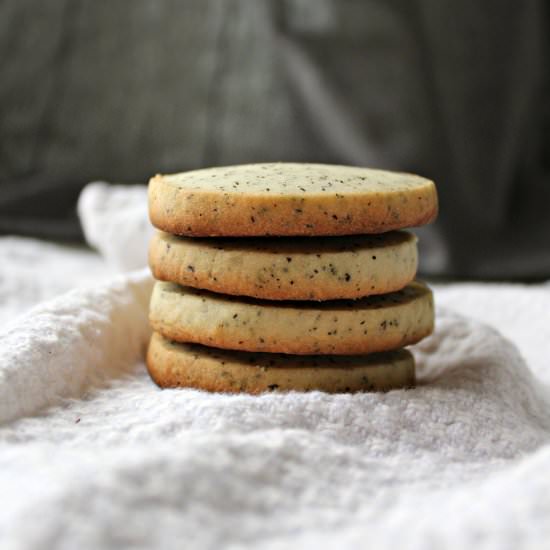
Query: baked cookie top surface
[296,179]
[289,199]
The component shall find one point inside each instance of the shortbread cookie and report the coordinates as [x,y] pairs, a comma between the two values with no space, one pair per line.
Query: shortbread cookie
[305,268]
[172,364]
[342,327]
[289,199]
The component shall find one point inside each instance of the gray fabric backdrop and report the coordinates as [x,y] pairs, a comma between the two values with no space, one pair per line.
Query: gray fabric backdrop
[456,91]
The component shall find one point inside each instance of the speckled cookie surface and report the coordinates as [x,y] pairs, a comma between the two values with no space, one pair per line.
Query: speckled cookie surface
[342,327]
[306,268]
[172,364]
[289,199]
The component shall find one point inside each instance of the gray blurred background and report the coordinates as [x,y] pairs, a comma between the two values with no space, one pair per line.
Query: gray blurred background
[455,91]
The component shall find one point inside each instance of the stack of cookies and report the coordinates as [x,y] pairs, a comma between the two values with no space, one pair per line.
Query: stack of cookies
[286,277]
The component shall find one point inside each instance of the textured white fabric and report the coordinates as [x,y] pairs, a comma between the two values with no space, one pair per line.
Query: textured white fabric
[114,220]
[32,271]
[93,455]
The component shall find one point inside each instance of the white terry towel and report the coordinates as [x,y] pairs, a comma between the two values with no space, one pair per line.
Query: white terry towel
[93,455]
[114,220]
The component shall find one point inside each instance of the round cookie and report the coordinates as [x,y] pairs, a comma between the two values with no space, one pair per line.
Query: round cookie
[173,364]
[289,199]
[281,268]
[342,327]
